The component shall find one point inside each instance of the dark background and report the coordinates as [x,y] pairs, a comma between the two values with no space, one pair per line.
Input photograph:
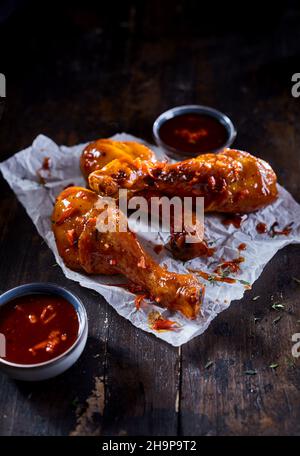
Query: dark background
[82,70]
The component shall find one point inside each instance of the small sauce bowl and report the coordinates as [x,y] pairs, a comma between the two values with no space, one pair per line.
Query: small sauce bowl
[58,364]
[190,130]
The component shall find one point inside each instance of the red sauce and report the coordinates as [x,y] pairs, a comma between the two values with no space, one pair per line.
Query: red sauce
[158,323]
[235,220]
[164,325]
[242,246]
[37,328]
[158,248]
[194,133]
[212,277]
[44,171]
[185,251]
[46,163]
[285,231]
[231,266]
[139,299]
[261,228]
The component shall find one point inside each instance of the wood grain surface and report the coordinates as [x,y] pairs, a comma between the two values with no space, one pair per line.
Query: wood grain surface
[82,72]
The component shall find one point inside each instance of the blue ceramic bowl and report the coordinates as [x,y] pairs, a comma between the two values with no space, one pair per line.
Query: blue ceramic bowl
[58,365]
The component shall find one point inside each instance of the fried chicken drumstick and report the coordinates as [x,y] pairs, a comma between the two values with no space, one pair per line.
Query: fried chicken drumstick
[101,152]
[231,181]
[82,246]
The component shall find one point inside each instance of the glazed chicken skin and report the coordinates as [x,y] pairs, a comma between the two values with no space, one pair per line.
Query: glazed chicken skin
[84,248]
[99,153]
[232,181]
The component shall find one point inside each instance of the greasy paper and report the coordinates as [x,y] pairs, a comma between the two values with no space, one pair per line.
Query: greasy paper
[23,172]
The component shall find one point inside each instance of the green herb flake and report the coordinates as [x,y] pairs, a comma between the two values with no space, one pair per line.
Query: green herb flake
[213,280]
[250,372]
[212,242]
[208,364]
[75,402]
[290,362]
[273,366]
[244,282]
[276,320]
[225,272]
[277,306]
[255,298]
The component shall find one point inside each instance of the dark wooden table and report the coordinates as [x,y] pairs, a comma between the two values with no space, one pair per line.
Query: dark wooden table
[76,74]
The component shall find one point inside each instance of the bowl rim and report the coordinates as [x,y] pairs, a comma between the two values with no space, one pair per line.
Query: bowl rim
[182,109]
[47,288]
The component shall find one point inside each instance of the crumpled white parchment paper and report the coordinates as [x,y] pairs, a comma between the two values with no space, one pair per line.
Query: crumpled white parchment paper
[20,171]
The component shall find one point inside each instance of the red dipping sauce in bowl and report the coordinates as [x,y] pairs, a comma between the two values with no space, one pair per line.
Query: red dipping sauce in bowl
[43,331]
[38,328]
[193,133]
[191,130]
